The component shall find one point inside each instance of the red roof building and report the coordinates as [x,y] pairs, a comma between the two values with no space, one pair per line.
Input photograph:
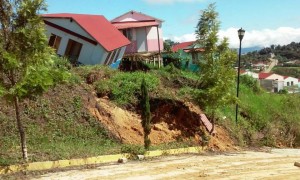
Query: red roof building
[85,39]
[183,45]
[144,32]
[98,27]
[264,75]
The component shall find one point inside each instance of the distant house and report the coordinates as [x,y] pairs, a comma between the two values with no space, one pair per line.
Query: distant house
[249,73]
[259,66]
[85,39]
[144,32]
[291,84]
[271,82]
[191,52]
[290,81]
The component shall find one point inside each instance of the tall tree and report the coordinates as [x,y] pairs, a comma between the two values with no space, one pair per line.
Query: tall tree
[217,75]
[27,66]
[146,114]
[168,43]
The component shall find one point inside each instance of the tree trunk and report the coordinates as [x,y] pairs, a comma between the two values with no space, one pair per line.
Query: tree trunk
[21,129]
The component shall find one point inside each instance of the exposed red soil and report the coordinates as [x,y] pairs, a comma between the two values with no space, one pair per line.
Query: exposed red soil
[171,121]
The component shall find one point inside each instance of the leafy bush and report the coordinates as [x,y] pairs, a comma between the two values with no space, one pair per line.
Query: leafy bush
[265,119]
[283,91]
[124,87]
[133,150]
[251,83]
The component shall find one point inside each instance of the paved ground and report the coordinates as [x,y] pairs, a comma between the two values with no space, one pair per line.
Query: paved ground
[273,164]
[273,63]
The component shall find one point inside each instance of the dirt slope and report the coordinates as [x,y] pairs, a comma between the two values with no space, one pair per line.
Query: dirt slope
[171,120]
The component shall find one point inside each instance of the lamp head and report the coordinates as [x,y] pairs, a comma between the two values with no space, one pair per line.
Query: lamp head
[241,33]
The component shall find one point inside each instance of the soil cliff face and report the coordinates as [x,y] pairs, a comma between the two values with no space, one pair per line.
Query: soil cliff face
[171,121]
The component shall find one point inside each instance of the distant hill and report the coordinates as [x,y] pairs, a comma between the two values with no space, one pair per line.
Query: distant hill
[284,53]
[287,52]
[251,49]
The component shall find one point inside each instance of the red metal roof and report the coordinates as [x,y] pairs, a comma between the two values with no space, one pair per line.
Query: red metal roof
[98,27]
[136,15]
[242,71]
[183,45]
[134,24]
[264,75]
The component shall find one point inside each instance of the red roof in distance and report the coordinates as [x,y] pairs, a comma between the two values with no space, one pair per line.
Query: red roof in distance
[264,75]
[183,45]
[98,27]
[242,71]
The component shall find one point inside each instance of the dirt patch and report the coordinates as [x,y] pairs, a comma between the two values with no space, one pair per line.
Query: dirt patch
[275,164]
[172,121]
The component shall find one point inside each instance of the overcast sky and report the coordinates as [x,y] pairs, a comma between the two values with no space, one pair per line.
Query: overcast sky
[266,21]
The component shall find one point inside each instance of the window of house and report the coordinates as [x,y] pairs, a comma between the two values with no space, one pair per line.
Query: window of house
[292,83]
[107,57]
[111,60]
[288,83]
[118,54]
[73,51]
[54,42]
[128,33]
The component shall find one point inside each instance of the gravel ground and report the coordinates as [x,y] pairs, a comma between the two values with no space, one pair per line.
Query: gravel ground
[270,164]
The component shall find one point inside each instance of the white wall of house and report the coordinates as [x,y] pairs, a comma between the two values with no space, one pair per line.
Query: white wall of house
[271,85]
[276,77]
[252,74]
[90,54]
[141,39]
[70,25]
[290,81]
[152,38]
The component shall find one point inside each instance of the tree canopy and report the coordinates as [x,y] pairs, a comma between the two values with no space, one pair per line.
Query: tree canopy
[27,65]
[217,75]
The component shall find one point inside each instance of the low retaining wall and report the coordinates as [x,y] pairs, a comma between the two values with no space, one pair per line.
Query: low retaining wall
[47,165]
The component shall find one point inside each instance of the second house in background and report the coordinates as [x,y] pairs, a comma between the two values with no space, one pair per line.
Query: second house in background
[142,30]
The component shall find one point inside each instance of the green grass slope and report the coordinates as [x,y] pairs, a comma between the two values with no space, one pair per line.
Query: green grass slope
[59,125]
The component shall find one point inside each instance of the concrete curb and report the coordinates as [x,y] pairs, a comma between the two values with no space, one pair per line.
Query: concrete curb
[47,165]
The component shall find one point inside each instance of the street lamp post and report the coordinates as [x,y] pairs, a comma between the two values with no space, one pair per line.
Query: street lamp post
[241,33]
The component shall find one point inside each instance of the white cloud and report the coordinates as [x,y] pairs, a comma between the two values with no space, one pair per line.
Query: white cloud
[171,1]
[184,38]
[262,38]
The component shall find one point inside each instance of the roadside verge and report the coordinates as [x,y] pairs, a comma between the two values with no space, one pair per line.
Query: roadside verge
[49,165]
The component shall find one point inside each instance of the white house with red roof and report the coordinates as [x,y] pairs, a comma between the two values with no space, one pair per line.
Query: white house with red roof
[85,39]
[290,81]
[144,31]
[271,76]
[271,82]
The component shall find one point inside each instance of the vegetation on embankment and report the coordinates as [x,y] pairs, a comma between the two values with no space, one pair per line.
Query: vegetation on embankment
[59,125]
[265,118]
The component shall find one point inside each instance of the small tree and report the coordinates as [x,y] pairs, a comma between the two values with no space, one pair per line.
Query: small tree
[27,64]
[216,72]
[146,114]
